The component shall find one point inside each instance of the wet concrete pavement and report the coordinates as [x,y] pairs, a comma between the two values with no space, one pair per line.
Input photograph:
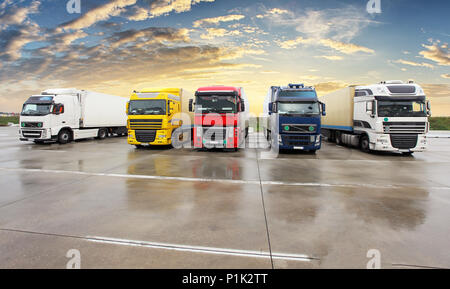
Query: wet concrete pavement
[165,208]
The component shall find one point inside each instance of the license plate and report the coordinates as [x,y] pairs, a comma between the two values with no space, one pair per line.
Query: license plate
[298,148]
[214,142]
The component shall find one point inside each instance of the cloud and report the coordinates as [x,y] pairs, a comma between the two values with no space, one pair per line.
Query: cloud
[346,48]
[100,13]
[13,40]
[163,7]
[15,15]
[326,87]
[412,63]
[446,75]
[342,24]
[147,36]
[218,32]
[437,53]
[272,12]
[330,57]
[217,20]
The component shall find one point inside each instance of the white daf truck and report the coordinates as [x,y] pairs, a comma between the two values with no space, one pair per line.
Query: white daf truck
[68,114]
[390,116]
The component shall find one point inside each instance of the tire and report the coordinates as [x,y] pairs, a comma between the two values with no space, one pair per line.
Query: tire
[102,133]
[313,152]
[365,144]
[338,139]
[64,136]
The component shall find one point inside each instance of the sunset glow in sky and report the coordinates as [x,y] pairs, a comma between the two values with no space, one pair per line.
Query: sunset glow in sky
[117,46]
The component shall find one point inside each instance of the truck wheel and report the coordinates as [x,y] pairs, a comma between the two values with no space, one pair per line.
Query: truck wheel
[365,144]
[64,136]
[313,152]
[102,133]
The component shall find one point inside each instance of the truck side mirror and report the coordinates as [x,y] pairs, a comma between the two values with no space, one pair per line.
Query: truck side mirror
[324,112]
[127,107]
[170,107]
[58,109]
[428,108]
[270,107]
[242,106]
[191,105]
[274,107]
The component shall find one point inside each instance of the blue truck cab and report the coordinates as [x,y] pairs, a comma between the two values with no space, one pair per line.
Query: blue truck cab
[294,117]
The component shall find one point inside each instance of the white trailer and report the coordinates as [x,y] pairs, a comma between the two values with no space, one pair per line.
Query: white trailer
[70,114]
[389,116]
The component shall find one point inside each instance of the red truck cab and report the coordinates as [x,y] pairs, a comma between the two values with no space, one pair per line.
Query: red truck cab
[219,118]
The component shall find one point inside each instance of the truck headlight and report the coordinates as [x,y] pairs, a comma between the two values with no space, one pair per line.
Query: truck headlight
[318,139]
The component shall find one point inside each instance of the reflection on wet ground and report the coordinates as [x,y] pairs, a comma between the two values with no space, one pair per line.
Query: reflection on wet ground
[165,208]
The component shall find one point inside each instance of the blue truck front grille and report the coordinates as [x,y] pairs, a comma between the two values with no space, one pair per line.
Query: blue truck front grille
[297,140]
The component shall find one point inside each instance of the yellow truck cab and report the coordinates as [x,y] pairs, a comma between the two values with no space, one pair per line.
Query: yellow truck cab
[151,115]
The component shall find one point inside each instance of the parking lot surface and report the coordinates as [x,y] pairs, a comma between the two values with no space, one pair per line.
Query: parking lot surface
[121,207]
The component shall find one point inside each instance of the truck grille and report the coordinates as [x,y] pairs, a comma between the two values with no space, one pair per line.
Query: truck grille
[145,135]
[31,133]
[404,141]
[404,127]
[296,140]
[214,133]
[145,124]
[299,128]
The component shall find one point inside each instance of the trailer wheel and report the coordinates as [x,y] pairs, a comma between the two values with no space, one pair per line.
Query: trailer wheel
[102,133]
[365,144]
[64,136]
[338,139]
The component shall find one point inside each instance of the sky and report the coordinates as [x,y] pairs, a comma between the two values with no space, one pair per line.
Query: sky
[117,46]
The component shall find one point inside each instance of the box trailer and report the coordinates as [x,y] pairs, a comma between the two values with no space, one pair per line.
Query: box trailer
[70,114]
[389,116]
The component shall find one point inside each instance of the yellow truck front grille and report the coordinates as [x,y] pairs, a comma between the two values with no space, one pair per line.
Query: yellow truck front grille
[136,124]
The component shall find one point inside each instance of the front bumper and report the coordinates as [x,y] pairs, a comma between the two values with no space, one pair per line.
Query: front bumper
[26,134]
[162,137]
[304,142]
[383,142]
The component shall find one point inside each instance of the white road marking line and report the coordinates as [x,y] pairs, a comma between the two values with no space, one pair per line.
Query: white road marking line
[200,249]
[250,182]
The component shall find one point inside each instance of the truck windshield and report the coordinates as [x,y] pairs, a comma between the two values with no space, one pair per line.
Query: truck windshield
[406,108]
[147,107]
[298,93]
[216,104]
[36,109]
[308,108]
